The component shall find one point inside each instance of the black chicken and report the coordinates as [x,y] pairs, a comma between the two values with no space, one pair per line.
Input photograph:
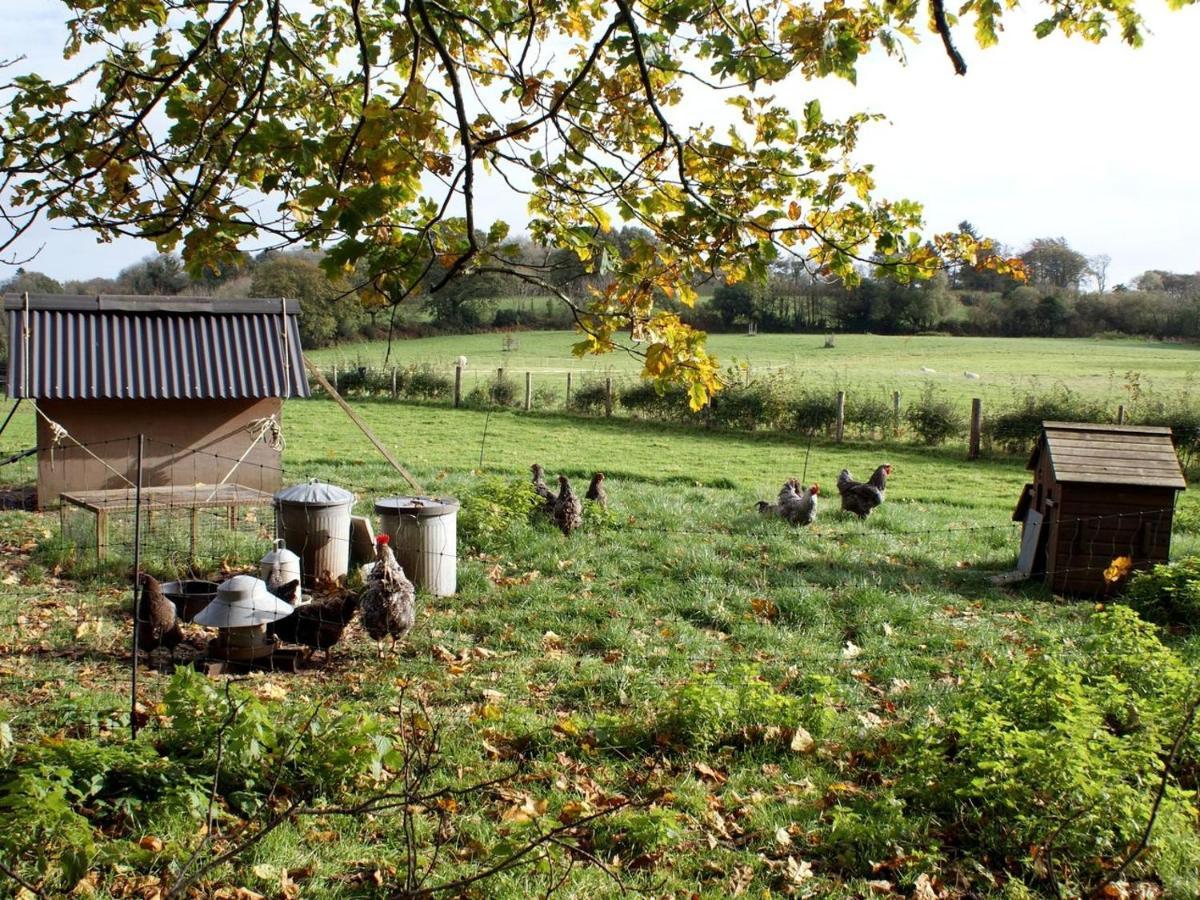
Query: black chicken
[157,621]
[860,498]
[318,624]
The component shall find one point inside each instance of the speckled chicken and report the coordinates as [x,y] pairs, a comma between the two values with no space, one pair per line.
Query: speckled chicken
[798,505]
[568,510]
[389,601]
[596,492]
[860,498]
[157,620]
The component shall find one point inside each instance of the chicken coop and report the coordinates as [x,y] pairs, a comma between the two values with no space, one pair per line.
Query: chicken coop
[1100,493]
[203,380]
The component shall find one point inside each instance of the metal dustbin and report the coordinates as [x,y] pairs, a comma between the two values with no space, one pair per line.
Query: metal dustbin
[314,521]
[424,537]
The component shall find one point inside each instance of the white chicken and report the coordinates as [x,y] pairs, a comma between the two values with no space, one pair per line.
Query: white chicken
[798,505]
[388,603]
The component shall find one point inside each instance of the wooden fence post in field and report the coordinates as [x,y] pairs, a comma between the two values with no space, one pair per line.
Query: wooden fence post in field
[528,391]
[1121,414]
[608,396]
[976,428]
[457,386]
[335,378]
[393,382]
[568,402]
[895,413]
[839,428]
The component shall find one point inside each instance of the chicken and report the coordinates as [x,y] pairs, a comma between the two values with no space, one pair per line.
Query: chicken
[288,592]
[157,620]
[539,486]
[596,492]
[860,498]
[318,624]
[568,510]
[798,506]
[389,601]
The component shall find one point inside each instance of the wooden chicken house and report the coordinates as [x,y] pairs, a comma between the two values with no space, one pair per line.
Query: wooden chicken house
[203,380]
[1100,493]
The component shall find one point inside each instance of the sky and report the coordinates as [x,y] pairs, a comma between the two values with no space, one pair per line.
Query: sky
[1051,138]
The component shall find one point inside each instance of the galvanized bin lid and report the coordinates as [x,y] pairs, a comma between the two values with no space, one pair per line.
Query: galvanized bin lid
[314,493]
[241,602]
[416,506]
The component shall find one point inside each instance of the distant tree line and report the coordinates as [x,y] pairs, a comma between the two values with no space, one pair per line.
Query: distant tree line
[1065,294]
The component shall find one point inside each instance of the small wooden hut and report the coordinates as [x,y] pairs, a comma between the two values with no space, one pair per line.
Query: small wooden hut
[1099,492]
[203,380]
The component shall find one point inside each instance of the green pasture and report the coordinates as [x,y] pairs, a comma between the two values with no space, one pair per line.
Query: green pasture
[1097,368]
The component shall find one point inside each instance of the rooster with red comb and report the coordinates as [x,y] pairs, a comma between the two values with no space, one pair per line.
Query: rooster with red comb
[389,601]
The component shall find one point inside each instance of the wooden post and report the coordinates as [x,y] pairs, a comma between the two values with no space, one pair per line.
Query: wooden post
[500,373]
[895,413]
[393,382]
[568,403]
[839,428]
[528,391]
[457,386]
[976,428]
[335,378]
[195,531]
[1121,414]
[101,535]
[608,395]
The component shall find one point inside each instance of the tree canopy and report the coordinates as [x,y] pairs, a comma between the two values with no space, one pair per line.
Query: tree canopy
[363,127]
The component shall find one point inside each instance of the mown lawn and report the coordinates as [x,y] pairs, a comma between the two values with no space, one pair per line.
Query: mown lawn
[602,668]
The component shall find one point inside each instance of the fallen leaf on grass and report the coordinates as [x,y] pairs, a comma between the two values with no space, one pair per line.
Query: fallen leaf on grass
[708,773]
[151,843]
[802,741]
[851,650]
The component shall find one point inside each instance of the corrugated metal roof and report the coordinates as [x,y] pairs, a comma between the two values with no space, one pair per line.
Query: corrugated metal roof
[1111,454]
[126,348]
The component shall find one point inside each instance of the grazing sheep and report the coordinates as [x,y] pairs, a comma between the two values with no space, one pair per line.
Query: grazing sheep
[928,371]
[970,375]
[461,362]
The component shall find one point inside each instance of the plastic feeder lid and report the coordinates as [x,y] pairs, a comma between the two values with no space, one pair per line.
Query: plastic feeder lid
[415,506]
[241,602]
[280,554]
[314,493]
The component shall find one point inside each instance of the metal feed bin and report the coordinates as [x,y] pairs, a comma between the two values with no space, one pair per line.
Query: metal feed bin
[314,521]
[424,536]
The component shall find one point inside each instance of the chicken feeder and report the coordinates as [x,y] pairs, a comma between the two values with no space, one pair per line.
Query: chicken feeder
[424,536]
[314,521]
[284,563]
[242,607]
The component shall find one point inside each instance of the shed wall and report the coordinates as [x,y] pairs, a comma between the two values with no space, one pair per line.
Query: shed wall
[172,428]
[1094,524]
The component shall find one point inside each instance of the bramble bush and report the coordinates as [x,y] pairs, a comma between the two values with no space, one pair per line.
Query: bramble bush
[934,419]
[1168,594]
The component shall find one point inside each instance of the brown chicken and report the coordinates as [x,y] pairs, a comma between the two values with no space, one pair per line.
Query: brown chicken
[157,621]
[389,601]
[860,498]
[539,486]
[596,492]
[568,510]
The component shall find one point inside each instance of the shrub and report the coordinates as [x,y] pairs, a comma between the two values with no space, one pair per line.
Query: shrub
[499,391]
[1015,430]
[868,414]
[507,317]
[933,418]
[810,412]
[423,382]
[492,507]
[757,405]
[645,399]
[1167,594]
[589,398]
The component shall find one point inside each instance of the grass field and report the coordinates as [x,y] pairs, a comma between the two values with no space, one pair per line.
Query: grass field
[1094,368]
[647,659]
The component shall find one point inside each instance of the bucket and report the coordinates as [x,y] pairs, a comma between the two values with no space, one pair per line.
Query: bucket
[314,521]
[189,597]
[424,537]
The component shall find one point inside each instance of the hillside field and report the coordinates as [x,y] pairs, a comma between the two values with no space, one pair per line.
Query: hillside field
[1099,369]
[752,690]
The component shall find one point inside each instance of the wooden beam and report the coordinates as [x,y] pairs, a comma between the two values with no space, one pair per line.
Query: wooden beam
[362,426]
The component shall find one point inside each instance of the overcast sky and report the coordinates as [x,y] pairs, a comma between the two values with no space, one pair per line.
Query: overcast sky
[1049,138]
